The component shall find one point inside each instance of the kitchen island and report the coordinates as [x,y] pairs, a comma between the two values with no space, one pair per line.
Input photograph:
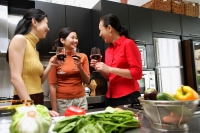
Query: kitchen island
[145,123]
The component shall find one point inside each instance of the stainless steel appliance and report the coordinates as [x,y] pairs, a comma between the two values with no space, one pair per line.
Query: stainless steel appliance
[147,81]
[142,50]
[169,66]
[191,50]
[3,28]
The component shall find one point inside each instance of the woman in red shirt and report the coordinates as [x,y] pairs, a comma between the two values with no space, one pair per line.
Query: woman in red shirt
[123,65]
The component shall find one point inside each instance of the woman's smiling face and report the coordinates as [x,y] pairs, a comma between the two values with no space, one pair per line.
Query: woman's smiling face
[104,32]
[71,41]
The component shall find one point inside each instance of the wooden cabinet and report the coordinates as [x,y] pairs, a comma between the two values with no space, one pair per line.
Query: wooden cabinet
[165,23]
[140,24]
[190,26]
[56,21]
[80,19]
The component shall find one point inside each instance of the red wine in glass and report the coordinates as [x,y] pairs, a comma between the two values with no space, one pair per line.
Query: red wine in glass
[61,57]
[75,57]
[96,56]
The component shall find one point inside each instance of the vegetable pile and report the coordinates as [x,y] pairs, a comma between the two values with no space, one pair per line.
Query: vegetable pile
[31,119]
[113,120]
[180,113]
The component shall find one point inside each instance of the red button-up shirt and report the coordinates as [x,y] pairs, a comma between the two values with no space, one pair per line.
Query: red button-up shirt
[123,54]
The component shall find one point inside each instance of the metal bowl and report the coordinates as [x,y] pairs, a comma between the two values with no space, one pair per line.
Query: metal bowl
[169,115]
[7,107]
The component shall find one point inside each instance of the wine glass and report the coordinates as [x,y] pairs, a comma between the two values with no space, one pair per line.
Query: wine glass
[95,54]
[61,55]
[75,56]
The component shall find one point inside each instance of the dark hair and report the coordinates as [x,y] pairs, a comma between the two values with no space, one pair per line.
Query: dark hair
[24,25]
[64,32]
[111,19]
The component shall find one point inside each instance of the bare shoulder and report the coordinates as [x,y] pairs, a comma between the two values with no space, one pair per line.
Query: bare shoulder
[18,41]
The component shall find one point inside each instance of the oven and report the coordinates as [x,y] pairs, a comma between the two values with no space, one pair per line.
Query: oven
[142,50]
[147,81]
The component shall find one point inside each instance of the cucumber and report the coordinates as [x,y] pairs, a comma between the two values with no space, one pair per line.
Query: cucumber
[175,109]
[165,96]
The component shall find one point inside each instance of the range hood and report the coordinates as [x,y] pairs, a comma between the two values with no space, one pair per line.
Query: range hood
[3,29]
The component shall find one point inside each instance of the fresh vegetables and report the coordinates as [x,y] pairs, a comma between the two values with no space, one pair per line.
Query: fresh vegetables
[113,120]
[165,96]
[150,94]
[174,119]
[73,110]
[178,110]
[186,93]
[31,119]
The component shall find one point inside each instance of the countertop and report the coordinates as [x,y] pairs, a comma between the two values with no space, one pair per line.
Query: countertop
[145,128]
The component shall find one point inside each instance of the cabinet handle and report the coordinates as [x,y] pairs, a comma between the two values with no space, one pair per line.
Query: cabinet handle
[168,31]
[52,52]
[194,34]
[140,41]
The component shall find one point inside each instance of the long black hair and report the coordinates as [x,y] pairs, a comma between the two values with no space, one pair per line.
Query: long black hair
[111,19]
[24,25]
[64,32]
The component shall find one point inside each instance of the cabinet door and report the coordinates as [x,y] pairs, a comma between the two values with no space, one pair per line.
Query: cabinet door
[190,26]
[140,24]
[166,23]
[56,21]
[118,9]
[81,21]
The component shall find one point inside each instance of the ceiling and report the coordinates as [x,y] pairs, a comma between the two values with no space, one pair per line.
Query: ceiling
[90,3]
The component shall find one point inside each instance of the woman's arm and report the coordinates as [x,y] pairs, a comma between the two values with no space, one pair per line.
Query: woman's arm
[105,75]
[17,49]
[104,69]
[133,58]
[52,62]
[84,70]
[53,97]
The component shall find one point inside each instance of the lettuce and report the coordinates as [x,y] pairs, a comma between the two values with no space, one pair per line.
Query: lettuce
[31,119]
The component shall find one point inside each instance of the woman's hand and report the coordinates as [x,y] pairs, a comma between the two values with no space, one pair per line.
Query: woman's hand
[93,61]
[77,61]
[101,67]
[54,61]
[53,113]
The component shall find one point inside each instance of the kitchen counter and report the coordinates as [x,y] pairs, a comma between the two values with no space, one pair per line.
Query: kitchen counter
[146,125]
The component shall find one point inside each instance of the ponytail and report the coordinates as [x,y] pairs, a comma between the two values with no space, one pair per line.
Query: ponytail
[124,31]
[58,43]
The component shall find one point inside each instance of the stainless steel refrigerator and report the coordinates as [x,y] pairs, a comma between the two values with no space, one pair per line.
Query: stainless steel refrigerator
[191,54]
[169,66]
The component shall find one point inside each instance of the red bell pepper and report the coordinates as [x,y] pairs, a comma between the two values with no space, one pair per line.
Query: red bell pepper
[73,110]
